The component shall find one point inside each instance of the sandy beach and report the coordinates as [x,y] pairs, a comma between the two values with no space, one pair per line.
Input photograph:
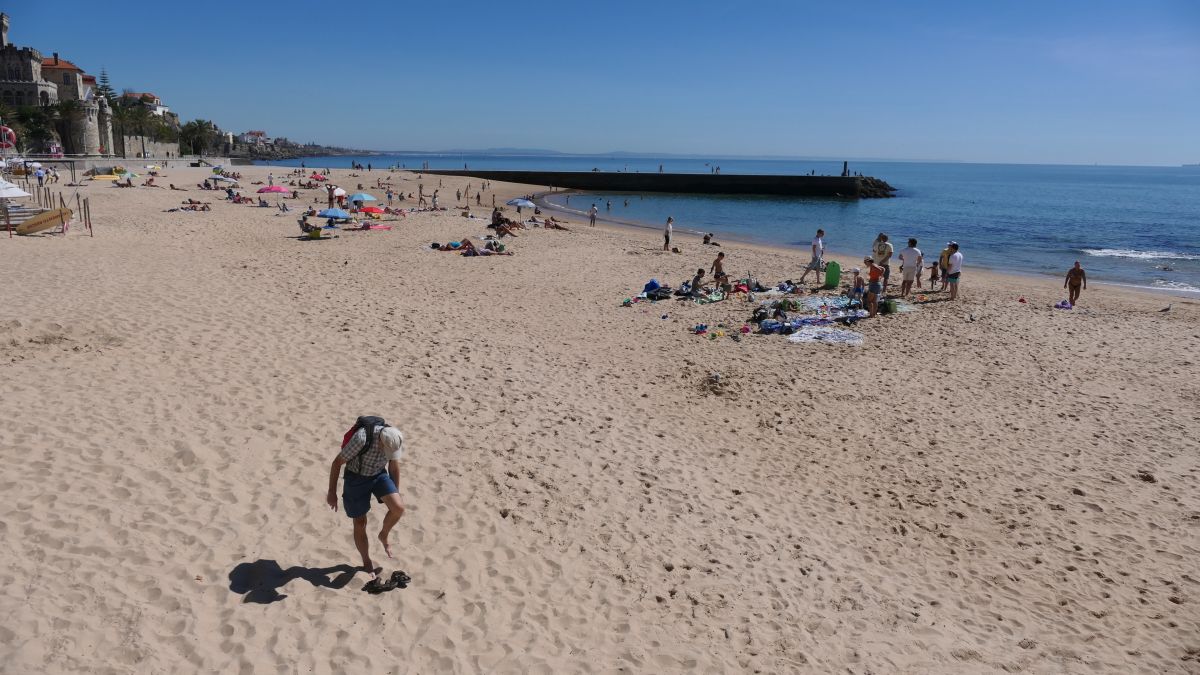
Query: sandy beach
[983,486]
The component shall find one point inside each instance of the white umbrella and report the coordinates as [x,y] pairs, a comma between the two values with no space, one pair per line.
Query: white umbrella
[35,165]
[524,203]
[339,192]
[222,178]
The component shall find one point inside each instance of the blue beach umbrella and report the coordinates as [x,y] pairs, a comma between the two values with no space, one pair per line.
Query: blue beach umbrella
[361,197]
[333,213]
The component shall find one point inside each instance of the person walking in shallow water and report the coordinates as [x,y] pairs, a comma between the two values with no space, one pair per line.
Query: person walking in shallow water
[1076,281]
[370,456]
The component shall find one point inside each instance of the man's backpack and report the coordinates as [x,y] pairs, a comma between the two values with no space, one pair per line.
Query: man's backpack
[367,423]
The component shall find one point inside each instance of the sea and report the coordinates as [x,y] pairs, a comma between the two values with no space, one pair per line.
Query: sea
[1127,225]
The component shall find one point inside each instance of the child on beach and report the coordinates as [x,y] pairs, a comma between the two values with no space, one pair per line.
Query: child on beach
[370,455]
[856,292]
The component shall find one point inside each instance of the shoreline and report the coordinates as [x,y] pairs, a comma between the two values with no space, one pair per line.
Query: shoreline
[847,260]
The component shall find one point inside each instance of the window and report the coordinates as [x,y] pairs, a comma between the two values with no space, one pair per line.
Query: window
[7,97]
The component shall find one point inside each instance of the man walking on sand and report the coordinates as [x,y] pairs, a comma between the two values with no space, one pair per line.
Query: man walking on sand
[954,269]
[592,215]
[818,253]
[370,453]
[1076,280]
[667,233]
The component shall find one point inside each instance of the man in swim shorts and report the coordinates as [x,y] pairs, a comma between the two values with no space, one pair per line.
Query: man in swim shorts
[1076,280]
[818,254]
[370,453]
[954,269]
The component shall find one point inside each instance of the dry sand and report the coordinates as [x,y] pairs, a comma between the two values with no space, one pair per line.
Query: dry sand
[985,486]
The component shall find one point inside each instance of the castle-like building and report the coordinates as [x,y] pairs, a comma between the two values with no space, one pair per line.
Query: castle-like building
[27,79]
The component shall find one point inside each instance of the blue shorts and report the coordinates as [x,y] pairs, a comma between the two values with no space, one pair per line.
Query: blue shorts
[952,278]
[357,492]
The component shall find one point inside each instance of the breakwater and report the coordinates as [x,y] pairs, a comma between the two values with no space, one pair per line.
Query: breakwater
[853,187]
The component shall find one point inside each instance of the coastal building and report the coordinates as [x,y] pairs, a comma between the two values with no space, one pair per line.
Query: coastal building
[147,100]
[28,79]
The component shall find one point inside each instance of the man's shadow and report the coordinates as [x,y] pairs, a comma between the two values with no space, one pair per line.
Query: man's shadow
[261,580]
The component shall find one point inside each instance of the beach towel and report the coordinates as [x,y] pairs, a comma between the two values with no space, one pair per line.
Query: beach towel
[827,334]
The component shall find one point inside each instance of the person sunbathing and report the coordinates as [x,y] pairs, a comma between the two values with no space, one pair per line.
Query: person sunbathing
[177,188]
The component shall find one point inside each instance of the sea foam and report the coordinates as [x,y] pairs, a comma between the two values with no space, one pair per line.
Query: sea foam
[1141,255]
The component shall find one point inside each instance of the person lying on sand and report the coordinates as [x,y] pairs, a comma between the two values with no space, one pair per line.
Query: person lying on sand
[177,189]
[370,456]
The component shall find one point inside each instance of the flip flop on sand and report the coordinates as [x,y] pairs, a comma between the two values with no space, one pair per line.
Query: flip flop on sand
[377,585]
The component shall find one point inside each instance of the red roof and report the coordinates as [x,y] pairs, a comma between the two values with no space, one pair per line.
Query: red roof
[139,95]
[62,64]
[89,79]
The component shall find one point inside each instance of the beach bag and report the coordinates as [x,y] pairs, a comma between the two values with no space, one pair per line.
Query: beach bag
[660,293]
[650,286]
[887,307]
[833,275]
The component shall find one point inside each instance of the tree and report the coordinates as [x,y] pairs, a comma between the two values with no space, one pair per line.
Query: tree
[38,124]
[139,119]
[104,88]
[197,136]
[120,122]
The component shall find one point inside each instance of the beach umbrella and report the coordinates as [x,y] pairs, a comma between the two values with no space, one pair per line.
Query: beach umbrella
[274,188]
[130,174]
[222,179]
[520,203]
[317,176]
[339,192]
[333,213]
[35,165]
[360,197]
[372,209]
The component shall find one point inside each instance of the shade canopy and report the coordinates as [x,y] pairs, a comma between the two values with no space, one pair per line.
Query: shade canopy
[332,213]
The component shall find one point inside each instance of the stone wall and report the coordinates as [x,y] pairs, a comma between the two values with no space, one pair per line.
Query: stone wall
[133,147]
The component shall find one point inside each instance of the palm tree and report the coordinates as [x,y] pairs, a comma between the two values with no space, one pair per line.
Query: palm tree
[140,119]
[197,136]
[120,121]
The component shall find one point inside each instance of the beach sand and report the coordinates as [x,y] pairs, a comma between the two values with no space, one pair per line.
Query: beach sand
[983,486]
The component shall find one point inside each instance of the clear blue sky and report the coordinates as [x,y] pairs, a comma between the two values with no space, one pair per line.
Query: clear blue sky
[1015,81]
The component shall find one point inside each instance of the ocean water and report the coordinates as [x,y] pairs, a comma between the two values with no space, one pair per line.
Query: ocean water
[1136,226]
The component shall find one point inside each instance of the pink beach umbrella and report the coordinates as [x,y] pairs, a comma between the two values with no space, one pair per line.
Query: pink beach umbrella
[317,176]
[274,188]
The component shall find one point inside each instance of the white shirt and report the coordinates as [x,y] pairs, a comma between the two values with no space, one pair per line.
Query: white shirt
[910,256]
[818,247]
[668,230]
[883,251]
[592,211]
[955,262]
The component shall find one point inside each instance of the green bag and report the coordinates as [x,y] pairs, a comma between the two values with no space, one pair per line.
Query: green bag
[833,274]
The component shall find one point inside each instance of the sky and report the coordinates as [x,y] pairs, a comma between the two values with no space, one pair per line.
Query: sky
[1072,82]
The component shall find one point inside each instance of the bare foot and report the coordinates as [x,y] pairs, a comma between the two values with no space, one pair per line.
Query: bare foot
[383,538]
